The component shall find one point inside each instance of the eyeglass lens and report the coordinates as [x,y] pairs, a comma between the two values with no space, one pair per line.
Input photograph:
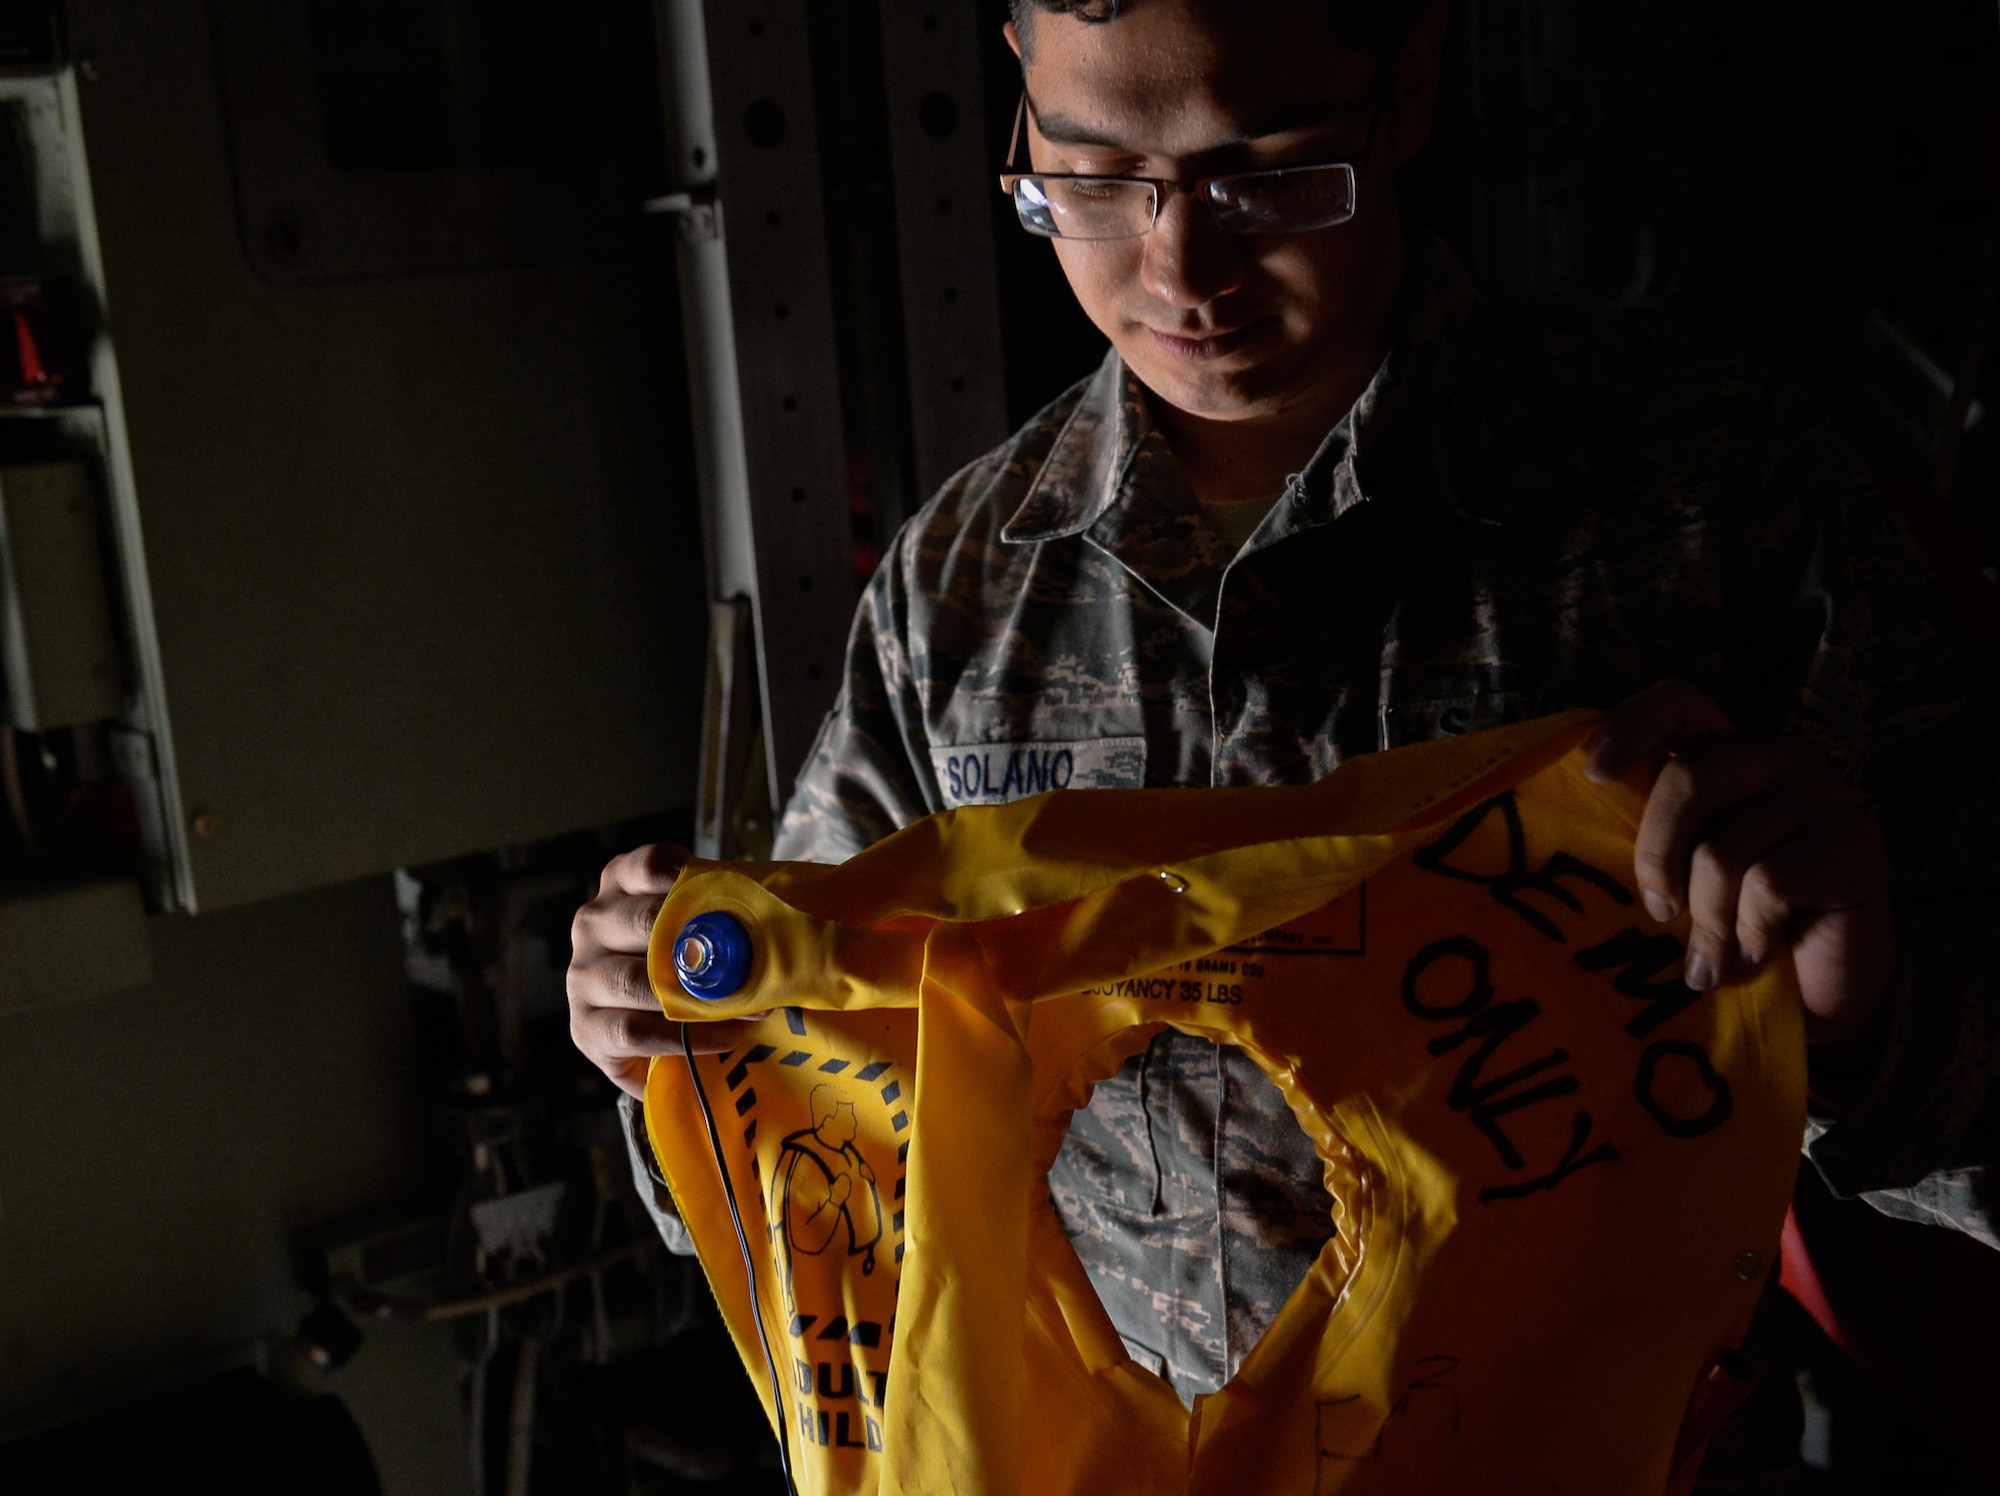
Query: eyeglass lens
[1287,201]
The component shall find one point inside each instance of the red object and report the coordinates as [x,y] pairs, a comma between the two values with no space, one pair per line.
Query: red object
[30,357]
[36,367]
[1799,1278]
[867,547]
[1719,1391]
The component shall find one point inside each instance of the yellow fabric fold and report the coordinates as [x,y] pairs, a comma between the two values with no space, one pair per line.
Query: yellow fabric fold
[1559,1174]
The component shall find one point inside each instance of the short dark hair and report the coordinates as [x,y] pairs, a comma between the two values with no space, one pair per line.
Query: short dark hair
[1377,26]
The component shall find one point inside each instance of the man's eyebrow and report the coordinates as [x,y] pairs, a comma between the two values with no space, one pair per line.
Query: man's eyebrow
[1063,129]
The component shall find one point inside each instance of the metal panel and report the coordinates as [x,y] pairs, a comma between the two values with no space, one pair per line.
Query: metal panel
[56,645]
[417,546]
[767,382]
[944,231]
[392,195]
[65,941]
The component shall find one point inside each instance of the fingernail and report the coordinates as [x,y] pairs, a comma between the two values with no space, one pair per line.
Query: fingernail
[1699,975]
[1659,906]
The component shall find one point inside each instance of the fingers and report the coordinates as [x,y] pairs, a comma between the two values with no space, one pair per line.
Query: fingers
[622,1042]
[1640,732]
[611,981]
[1834,865]
[1688,797]
[617,922]
[1738,903]
[1755,841]
[1763,847]
[615,1020]
[620,919]
[618,1034]
[1825,893]
[644,870]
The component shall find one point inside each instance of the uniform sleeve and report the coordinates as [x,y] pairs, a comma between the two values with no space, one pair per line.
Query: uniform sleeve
[1837,596]
[868,770]
[650,1182]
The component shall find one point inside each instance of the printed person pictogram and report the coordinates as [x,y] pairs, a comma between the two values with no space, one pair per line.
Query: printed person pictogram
[826,1184]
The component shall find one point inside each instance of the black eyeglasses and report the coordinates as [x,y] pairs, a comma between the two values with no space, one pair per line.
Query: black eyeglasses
[1287,200]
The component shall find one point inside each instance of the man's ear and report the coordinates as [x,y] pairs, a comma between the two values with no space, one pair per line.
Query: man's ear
[1013,36]
[1417,69]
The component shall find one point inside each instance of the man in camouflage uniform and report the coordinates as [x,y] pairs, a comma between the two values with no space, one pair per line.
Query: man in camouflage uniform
[1473,515]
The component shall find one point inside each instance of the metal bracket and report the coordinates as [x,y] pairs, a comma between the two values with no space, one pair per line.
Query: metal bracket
[699,213]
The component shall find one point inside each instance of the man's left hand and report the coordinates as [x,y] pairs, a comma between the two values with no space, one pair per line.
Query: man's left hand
[1764,847]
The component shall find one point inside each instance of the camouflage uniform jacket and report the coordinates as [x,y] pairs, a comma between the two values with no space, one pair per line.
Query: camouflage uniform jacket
[1524,512]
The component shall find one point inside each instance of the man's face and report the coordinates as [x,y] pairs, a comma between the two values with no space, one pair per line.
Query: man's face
[1222,326]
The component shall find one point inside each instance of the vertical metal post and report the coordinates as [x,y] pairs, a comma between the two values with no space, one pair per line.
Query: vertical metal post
[758,318]
[764,370]
[944,231]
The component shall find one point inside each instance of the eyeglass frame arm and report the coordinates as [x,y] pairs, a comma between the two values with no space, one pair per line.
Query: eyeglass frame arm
[1009,178]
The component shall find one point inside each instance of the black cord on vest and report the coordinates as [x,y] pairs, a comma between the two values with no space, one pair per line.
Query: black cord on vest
[749,1263]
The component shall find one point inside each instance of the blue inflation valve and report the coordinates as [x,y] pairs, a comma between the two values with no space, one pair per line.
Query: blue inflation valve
[712,954]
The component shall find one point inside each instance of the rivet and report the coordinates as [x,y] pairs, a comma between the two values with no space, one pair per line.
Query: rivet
[1749,1266]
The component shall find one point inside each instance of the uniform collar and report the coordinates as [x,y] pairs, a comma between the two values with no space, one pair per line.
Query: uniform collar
[1404,440]
[1092,460]
[1393,445]
[1110,476]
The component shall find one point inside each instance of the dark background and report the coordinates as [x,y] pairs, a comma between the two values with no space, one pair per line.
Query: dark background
[1815,187]
[1812,186]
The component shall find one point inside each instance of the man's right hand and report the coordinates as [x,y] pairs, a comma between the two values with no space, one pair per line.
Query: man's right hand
[613,1016]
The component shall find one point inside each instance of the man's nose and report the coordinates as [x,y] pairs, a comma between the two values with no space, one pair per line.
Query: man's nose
[1188,261]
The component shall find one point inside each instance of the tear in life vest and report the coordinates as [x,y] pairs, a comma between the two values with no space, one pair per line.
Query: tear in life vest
[1559,1173]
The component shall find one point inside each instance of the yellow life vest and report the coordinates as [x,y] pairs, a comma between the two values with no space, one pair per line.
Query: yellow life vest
[1559,1174]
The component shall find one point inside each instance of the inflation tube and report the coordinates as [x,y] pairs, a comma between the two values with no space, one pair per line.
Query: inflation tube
[736,1216]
